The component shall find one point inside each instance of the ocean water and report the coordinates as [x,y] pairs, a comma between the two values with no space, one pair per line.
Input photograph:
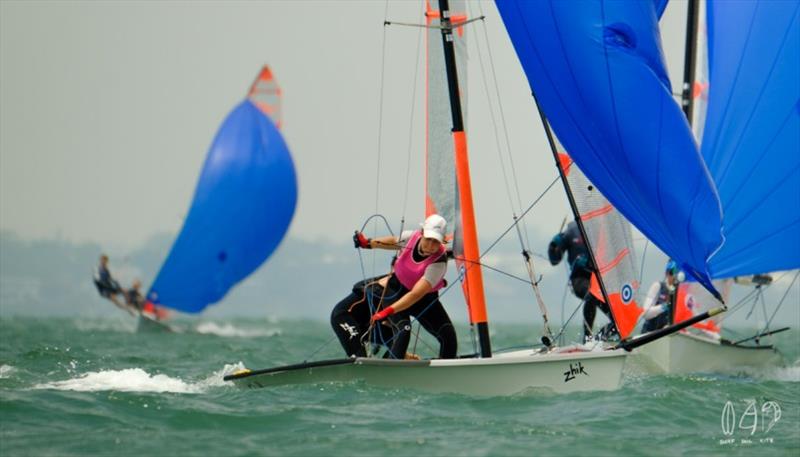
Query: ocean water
[95,387]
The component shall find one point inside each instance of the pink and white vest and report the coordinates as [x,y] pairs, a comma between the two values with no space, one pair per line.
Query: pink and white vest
[408,271]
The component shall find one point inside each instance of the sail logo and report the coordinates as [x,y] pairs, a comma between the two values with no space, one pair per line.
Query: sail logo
[751,420]
[573,371]
[627,293]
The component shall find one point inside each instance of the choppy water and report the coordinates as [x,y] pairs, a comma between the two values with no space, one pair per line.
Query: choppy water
[71,387]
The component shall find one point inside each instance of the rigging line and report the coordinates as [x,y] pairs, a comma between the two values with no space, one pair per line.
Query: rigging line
[411,122]
[521,216]
[739,305]
[380,106]
[494,126]
[780,303]
[327,343]
[564,327]
[518,278]
[503,119]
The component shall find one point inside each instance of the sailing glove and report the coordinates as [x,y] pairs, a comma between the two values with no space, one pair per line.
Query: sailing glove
[360,241]
[382,314]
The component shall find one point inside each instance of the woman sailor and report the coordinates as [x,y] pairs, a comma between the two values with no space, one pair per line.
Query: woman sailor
[659,304]
[411,289]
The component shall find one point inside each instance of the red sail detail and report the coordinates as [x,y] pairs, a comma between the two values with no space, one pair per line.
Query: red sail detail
[684,305]
[266,95]
[473,281]
[565,162]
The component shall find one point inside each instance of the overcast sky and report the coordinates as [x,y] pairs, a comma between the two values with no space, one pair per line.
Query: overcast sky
[108,110]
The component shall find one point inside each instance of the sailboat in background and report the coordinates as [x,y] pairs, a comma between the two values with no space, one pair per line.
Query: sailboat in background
[741,93]
[243,204]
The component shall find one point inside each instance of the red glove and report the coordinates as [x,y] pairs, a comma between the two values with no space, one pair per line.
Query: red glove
[382,314]
[360,241]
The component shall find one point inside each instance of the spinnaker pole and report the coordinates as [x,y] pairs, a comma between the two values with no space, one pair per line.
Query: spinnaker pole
[473,276]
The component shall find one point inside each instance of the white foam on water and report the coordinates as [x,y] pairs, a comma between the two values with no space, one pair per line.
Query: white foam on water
[790,373]
[138,380]
[6,371]
[229,330]
[786,374]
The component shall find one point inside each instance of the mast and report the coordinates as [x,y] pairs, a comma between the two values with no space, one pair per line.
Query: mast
[689,60]
[574,206]
[473,276]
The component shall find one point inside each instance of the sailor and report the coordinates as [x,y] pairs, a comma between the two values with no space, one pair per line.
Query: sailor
[107,286]
[659,303]
[581,269]
[411,289]
[133,296]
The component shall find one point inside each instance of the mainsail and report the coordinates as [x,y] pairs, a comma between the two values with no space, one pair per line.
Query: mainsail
[751,141]
[243,204]
[609,236]
[598,73]
[448,188]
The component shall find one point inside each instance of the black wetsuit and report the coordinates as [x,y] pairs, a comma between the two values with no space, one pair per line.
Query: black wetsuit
[350,319]
[581,269]
[106,285]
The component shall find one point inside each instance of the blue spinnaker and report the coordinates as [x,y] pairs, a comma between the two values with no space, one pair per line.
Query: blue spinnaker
[242,207]
[598,73]
[751,142]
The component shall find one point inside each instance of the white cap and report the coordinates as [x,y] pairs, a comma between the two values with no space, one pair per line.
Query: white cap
[434,227]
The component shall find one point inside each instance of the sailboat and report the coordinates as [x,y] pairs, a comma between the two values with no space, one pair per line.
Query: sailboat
[243,204]
[560,369]
[740,94]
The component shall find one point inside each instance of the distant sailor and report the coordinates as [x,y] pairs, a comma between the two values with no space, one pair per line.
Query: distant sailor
[389,302]
[107,286]
[660,300]
[134,297]
[581,269]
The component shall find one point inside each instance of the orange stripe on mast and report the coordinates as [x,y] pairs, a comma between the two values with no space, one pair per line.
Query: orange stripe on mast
[473,276]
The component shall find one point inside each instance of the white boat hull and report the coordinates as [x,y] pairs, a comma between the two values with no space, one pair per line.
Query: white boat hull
[504,374]
[688,353]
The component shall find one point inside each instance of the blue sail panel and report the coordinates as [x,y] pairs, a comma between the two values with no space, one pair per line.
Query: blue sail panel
[752,133]
[243,204]
[598,73]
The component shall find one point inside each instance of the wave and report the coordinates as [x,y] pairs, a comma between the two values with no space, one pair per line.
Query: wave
[229,330]
[106,325]
[138,380]
[6,371]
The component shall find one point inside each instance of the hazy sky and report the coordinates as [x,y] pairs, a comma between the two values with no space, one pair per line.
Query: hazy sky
[108,110]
